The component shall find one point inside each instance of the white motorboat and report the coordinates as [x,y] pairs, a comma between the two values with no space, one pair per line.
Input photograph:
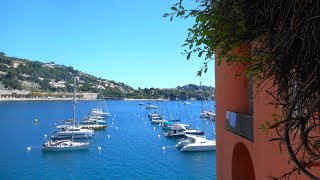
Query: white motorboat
[186,103]
[175,133]
[170,126]
[150,106]
[208,115]
[154,115]
[157,120]
[72,131]
[64,145]
[181,130]
[182,142]
[197,143]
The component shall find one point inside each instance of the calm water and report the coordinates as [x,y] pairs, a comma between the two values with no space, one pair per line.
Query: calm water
[132,151]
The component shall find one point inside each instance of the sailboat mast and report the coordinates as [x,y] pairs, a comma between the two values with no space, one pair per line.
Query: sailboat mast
[74,99]
[201,96]
[204,130]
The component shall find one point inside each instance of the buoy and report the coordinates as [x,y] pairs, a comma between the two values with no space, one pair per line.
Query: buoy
[99,148]
[108,136]
[154,128]
[45,136]
[112,122]
[116,128]
[158,135]
[145,122]
[163,148]
[29,148]
[35,120]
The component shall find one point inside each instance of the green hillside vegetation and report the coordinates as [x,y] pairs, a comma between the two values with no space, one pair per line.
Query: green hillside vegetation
[35,76]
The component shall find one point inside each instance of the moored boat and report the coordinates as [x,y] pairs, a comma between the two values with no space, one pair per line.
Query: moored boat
[150,106]
[197,143]
[64,145]
[94,126]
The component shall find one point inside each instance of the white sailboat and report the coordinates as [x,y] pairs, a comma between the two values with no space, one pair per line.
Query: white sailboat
[67,144]
[206,114]
[187,101]
[64,145]
[196,143]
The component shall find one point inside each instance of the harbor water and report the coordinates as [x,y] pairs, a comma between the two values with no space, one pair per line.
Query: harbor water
[130,147]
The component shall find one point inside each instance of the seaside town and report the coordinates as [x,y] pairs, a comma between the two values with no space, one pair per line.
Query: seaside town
[205,89]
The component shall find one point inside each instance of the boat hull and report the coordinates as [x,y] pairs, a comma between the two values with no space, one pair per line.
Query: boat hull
[64,146]
[196,148]
[94,126]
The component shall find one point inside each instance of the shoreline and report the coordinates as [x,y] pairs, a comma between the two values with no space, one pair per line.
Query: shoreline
[127,99]
[70,99]
[41,99]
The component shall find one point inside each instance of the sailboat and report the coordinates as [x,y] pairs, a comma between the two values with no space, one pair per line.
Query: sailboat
[99,110]
[187,102]
[206,114]
[196,143]
[64,145]
[67,144]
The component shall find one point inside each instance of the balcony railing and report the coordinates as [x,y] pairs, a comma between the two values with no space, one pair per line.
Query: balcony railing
[240,124]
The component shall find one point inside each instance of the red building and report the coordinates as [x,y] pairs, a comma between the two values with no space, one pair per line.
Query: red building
[243,150]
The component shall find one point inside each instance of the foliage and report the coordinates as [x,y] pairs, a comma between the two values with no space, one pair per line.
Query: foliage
[278,42]
[41,74]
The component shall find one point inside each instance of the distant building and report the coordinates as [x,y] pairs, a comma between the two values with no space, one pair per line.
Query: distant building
[16,64]
[49,65]
[89,95]
[25,75]
[98,87]
[59,84]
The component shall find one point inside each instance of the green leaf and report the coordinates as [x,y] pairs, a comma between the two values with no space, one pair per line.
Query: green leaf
[262,127]
[174,8]
[267,123]
[188,56]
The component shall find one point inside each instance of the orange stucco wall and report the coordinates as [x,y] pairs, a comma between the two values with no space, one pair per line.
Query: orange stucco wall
[232,95]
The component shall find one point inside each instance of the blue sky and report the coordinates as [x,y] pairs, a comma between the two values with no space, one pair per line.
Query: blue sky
[126,41]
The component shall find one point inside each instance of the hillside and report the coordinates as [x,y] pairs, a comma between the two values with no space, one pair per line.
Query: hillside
[33,77]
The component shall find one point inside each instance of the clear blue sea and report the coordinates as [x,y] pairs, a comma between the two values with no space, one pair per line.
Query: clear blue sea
[132,151]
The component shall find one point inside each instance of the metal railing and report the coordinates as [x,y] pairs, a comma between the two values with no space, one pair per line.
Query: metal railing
[240,124]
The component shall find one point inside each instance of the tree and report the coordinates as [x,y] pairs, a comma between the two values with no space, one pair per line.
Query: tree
[283,37]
